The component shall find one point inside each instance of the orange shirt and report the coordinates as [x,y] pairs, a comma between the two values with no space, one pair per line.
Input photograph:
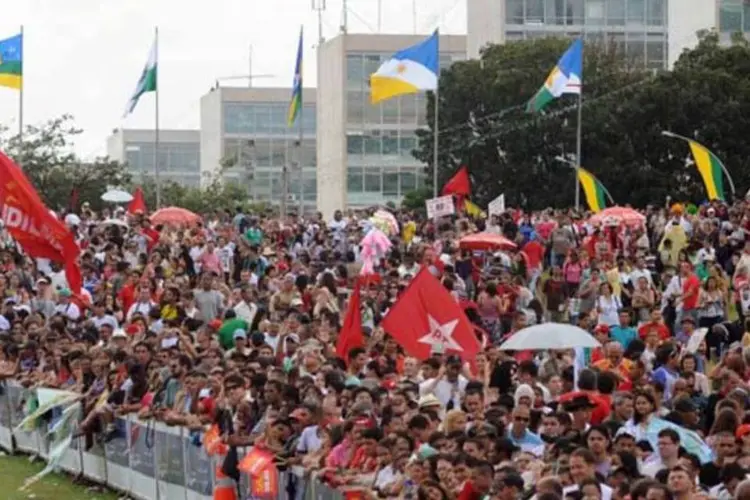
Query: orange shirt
[622,370]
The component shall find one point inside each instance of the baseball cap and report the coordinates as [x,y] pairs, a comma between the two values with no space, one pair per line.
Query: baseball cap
[239,334]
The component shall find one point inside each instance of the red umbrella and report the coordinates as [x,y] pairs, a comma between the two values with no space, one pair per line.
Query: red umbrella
[625,215]
[486,241]
[174,216]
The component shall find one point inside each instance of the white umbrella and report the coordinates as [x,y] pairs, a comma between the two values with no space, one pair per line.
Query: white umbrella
[117,196]
[549,336]
[72,220]
[113,222]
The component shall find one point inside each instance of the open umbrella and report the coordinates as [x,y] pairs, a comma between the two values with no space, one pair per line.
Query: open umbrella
[113,222]
[486,241]
[549,336]
[625,215]
[117,196]
[174,216]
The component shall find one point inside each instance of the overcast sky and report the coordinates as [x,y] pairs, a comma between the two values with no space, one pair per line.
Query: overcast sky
[83,57]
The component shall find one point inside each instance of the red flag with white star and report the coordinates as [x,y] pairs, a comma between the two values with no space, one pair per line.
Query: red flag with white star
[426,318]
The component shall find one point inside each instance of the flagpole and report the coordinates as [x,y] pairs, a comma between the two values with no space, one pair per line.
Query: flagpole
[156,120]
[20,108]
[299,159]
[436,142]
[579,132]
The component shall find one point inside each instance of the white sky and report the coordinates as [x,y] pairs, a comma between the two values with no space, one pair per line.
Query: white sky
[83,57]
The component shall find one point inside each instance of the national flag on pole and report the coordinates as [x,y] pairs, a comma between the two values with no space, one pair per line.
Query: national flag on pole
[408,71]
[350,335]
[296,103]
[147,81]
[138,203]
[426,319]
[565,78]
[473,210]
[711,169]
[595,192]
[11,62]
[39,233]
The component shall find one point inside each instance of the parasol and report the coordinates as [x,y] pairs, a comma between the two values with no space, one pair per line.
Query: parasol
[174,216]
[549,336]
[625,215]
[486,241]
[117,196]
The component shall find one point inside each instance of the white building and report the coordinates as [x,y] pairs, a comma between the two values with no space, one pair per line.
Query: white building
[179,154]
[364,151]
[244,136]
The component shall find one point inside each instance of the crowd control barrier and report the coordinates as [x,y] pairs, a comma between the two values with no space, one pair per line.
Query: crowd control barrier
[145,460]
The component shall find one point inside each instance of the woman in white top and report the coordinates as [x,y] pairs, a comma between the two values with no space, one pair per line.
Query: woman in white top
[608,306]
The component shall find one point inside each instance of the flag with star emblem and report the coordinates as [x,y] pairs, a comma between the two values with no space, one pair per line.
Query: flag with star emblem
[427,319]
[296,103]
[11,62]
[408,71]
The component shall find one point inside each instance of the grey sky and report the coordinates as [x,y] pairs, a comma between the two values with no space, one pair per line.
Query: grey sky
[84,57]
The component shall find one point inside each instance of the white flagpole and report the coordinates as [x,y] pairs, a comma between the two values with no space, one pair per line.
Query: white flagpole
[435,146]
[579,160]
[156,120]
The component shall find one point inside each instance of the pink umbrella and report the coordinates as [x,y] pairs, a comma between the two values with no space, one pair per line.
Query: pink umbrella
[625,215]
[174,216]
[486,241]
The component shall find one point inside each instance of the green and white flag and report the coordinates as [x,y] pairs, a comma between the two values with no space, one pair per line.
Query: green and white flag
[147,81]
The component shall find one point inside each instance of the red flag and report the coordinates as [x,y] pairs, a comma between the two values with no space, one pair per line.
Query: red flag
[30,223]
[138,203]
[350,335]
[459,184]
[427,316]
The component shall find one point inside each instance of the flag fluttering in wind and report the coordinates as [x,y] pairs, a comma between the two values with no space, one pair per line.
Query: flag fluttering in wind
[459,184]
[147,81]
[408,71]
[426,319]
[711,169]
[565,78]
[138,203]
[350,335]
[595,192]
[296,102]
[39,233]
[11,62]
[473,210]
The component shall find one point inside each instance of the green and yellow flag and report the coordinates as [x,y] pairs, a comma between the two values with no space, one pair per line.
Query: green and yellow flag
[595,192]
[11,62]
[295,104]
[711,170]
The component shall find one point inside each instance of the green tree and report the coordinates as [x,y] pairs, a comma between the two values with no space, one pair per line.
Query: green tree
[483,123]
[56,172]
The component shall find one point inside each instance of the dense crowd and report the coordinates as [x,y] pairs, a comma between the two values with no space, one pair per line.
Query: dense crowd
[234,322]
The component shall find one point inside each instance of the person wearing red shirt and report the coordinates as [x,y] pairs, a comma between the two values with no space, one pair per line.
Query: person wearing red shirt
[508,295]
[657,324]
[127,293]
[151,234]
[534,252]
[691,287]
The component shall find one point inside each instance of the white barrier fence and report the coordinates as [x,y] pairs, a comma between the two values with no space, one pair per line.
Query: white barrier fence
[146,460]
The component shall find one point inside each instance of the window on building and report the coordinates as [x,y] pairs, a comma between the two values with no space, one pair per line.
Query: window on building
[534,12]
[390,111]
[373,113]
[309,158]
[355,107]
[554,12]
[514,11]
[421,102]
[354,180]
[656,13]
[636,12]
[373,180]
[355,145]
[655,53]
[407,144]
[408,181]
[615,12]
[263,152]
[277,122]
[372,63]
[355,71]
[409,109]
[635,50]
[390,182]
[730,15]
[575,11]
[279,153]
[373,143]
[390,143]
[311,185]
[595,12]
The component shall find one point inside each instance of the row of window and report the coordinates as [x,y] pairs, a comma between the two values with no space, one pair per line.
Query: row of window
[587,12]
[650,48]
[390,182]
[269,186]
[409,110]
[265,118]
[173,157]
[242,154]
[359,66]
[187,180]
[734,15]
[381,143]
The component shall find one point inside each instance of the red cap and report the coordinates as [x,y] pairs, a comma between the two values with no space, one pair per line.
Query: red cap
[215,324]
[743,430]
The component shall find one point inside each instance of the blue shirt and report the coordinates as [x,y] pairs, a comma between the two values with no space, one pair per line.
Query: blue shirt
[623,334]
[527,442]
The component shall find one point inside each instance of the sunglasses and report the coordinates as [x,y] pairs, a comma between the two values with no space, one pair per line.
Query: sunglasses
[521,419]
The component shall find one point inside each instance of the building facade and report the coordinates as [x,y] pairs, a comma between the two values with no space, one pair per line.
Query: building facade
[245,139]
[179,154]
[364,151]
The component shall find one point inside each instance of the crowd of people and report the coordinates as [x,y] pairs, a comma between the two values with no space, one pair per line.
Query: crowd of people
[234,322]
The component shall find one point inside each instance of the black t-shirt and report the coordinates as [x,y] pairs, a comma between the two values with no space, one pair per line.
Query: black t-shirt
[709,475]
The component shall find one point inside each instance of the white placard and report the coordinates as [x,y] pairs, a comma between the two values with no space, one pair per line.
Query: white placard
[497,206]
[695,340]
[440,207]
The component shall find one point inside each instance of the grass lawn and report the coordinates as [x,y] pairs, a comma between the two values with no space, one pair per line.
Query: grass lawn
[15,469]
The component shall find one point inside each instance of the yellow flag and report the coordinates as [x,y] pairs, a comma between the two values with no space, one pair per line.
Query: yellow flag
[473,210]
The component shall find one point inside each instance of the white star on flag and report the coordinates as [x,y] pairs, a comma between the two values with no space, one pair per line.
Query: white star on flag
[441,334]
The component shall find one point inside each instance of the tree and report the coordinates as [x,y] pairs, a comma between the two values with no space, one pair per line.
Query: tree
[483,123]
[45,155]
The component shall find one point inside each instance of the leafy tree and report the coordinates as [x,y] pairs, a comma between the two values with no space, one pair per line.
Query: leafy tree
[45,155]
[415,200]
[483,123]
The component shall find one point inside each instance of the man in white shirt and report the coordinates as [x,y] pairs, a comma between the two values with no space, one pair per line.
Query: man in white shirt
[448,386]
[66,306]
[667,456]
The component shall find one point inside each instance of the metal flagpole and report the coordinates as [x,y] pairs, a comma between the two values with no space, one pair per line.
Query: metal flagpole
[435,146]
[578,147]
[299,159]
[20,107]
[156,120]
